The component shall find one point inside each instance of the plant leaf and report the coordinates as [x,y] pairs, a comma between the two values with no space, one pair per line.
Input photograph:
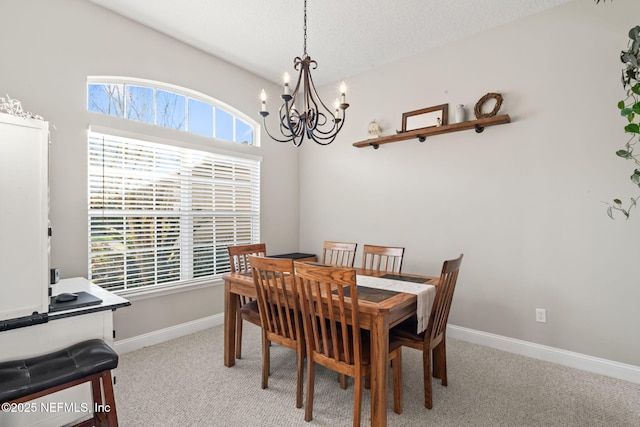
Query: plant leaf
[617,202]
[632,128]
[610,212]
[624,154]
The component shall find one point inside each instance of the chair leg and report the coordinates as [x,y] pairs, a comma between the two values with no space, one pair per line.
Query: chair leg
[99,418]
[311,374]
[238,334]
[357,400]
[396,369]
[426,364]
[435,361]
[440,354]
[96,390]
[266,362]
[343,381]
[110,400]
[299,380]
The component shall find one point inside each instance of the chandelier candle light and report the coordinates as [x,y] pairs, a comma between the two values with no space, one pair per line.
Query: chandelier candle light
[314,120]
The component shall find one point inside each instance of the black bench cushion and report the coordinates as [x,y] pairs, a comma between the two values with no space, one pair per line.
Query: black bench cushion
[19,378]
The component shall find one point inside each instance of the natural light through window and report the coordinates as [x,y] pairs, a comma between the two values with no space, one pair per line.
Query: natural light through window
[170,107]
[162,206]
[160,214]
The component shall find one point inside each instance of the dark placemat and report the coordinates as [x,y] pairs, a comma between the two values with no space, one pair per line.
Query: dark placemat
[294,255]
[404,278]
[371,294]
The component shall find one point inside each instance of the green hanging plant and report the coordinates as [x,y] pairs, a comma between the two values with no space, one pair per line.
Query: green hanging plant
[630,110]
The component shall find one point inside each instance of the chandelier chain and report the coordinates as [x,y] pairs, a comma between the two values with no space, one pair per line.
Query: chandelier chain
[305,28]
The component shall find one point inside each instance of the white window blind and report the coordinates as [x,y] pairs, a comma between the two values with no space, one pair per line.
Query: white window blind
[164,215]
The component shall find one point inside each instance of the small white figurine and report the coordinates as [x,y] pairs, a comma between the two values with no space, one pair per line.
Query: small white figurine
[374,129]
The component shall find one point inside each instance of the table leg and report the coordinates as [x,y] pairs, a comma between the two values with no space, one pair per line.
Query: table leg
[379,370]
[230,312]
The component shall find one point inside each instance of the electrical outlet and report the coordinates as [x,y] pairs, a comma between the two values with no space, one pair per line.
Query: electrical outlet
[541,315]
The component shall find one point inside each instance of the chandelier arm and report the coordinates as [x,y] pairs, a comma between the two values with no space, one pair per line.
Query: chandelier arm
[313,89]
[264,119]
[323,141]
[285,113]
[289,135]
[292,129]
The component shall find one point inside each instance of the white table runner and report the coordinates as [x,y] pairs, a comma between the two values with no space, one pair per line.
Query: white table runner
[425,294]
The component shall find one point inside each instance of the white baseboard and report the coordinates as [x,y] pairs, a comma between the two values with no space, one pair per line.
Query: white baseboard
[571,359]
[161,335]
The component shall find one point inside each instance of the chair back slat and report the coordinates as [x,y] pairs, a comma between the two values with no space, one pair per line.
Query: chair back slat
[329,305]
[274,280]
[339,253]
[382,258]
[444,295]
[239,256]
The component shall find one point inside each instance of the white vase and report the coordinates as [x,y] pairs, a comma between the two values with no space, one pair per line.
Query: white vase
[460,114]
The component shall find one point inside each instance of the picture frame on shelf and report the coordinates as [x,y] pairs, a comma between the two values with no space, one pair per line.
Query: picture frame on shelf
[425,118]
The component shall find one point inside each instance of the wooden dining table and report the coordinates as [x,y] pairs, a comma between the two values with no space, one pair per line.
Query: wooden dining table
[379,311]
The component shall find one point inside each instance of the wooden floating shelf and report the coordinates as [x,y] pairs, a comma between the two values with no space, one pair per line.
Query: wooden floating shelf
[422,134]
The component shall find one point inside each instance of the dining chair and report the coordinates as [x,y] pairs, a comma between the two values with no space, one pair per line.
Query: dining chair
[248,308]
[339,253]
[275,284]
[382,258]
[332,332]
[432,342]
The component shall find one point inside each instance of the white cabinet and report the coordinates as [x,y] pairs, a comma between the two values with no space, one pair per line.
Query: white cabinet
[63,329]
[24,209]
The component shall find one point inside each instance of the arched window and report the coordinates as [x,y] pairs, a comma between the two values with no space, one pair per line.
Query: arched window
[162,214]
[169,106]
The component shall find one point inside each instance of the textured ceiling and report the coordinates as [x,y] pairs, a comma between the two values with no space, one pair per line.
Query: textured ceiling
[346,37]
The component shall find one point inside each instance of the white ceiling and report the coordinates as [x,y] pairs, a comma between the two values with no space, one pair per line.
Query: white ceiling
[346,37]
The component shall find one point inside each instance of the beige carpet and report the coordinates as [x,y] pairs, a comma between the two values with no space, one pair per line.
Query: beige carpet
[183,382]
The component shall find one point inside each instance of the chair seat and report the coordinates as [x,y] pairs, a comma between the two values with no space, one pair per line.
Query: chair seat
[250,312]
[20,378]
[407,330]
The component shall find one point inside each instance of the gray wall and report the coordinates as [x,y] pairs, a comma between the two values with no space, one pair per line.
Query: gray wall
[523,201]
[48,49]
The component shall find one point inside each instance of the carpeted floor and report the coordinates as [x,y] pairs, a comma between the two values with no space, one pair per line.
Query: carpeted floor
[183,382]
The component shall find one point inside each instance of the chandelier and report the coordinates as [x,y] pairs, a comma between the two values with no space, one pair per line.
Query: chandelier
[302,113]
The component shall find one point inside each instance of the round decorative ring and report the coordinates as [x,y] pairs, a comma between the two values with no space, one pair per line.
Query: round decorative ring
[478,109]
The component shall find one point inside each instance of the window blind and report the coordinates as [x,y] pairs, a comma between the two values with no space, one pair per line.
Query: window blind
[164,215]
